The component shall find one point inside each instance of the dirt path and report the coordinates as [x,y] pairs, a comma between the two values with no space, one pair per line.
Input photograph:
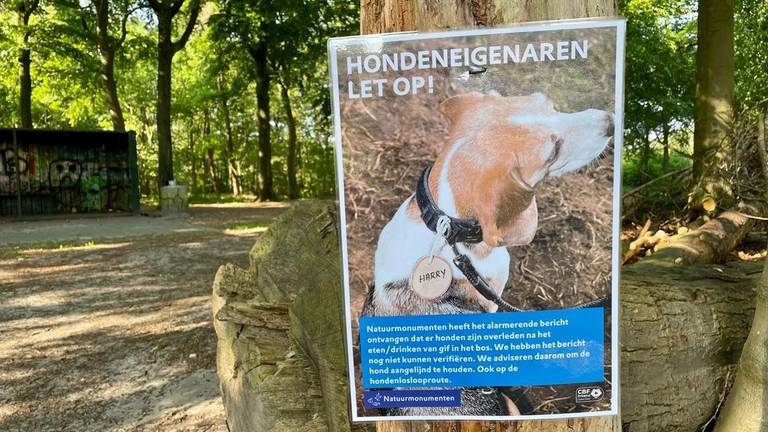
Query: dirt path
[116,335]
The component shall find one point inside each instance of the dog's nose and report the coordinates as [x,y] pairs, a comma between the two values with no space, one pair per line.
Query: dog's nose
[609,130]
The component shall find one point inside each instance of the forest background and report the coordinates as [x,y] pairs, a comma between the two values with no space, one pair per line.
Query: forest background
[230,96]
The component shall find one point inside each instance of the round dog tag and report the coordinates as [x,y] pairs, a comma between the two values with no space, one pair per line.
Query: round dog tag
[431,277]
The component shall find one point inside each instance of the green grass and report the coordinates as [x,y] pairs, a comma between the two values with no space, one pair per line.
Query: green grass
[12,253]
[22,251]
[219,199]
[198,198]
[632,175]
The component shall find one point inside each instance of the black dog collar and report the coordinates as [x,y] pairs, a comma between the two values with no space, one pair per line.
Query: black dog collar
[469,231]
[460,231]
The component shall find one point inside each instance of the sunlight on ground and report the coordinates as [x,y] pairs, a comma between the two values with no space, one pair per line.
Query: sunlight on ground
[115,335]
[243,205]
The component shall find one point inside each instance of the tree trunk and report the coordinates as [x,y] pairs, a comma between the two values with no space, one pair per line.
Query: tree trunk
[379,16]
[645,157]
[25,88]
[25,76]
[382,16]
[259,54]
[762,150]
[166,49]
[232,166]
[206,172]
[164,66]
[746,408]
[279,326]
[107,70]
[713,105]
[109,84]
[206,133]
[293,145]
[665,142]
[280,358]
[213,172]
[192,158]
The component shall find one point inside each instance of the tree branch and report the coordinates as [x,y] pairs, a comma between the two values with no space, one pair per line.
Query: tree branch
[124,27]
[27,9]
[176,7]
[155,5]
[193,14]
[102,25]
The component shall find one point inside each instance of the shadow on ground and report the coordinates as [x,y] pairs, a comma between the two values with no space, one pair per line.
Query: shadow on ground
[115,335]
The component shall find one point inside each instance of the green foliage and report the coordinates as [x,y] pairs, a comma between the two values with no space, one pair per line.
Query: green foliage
[214,96]
[660,85]
[213,70]
[634,174]
[751,45]
[661,49]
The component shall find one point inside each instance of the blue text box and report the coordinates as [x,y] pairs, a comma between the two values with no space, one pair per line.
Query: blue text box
[483,350]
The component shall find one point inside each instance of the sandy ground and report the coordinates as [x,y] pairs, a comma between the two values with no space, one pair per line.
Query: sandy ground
[112,331]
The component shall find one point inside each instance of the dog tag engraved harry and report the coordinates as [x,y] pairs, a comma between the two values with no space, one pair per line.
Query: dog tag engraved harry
[431,277]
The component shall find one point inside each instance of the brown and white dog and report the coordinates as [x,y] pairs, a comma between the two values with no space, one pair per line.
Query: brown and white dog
[499,149]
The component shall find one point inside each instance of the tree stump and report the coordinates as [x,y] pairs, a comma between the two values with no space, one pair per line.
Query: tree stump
[281,357]
[173,200]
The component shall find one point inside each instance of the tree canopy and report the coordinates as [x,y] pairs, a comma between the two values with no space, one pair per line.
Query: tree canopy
[95,65]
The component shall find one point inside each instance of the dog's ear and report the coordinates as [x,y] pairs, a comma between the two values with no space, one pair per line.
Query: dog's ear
[454,106]
[509,218]
[523,228]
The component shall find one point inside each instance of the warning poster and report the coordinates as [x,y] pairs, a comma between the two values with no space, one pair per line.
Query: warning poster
[478,180]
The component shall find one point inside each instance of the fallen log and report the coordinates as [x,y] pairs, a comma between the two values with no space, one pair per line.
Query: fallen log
[280,353]
[711,242]
[682,329]
[281,356]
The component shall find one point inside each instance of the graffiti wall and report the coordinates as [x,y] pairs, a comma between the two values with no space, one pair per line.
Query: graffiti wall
[63,177]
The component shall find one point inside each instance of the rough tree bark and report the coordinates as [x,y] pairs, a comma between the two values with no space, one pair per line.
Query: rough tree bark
[232,167]
[165,11]
[280,358]
[379,16]
[260,54]
[762,149]
[682,328]
[665,143]
[192,157]
[713,104]
[280,322]
[24,11]
[746,408]
[293,144]
[212,171]
[107,50]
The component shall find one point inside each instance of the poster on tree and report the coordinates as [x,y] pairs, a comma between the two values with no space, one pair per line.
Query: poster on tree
[478,180]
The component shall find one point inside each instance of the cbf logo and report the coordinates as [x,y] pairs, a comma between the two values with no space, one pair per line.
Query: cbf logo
[589,394]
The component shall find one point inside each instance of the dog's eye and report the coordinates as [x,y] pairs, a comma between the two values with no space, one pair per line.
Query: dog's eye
[558,143]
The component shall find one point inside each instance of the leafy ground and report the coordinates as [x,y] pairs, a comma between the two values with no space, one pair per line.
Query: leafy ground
[111,331]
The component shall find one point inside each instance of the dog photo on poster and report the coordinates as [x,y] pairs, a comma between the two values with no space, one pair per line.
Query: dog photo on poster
[478,179]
